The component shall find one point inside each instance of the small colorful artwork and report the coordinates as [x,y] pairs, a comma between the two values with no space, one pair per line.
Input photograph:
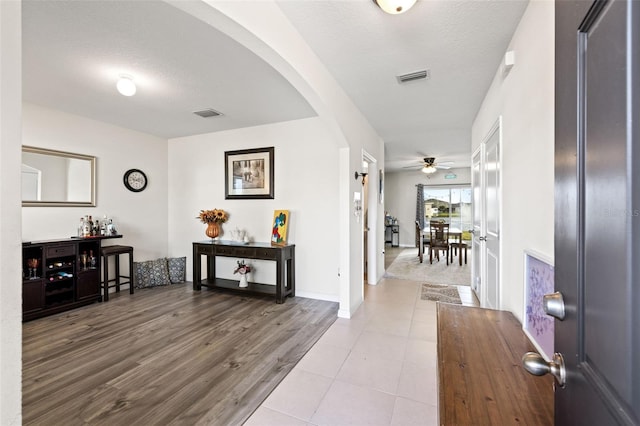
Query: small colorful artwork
[539,280]
[280,227]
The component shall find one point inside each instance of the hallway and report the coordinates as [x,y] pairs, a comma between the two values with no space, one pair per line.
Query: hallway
[377,368]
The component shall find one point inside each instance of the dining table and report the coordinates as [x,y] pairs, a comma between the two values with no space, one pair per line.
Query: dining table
[455,238]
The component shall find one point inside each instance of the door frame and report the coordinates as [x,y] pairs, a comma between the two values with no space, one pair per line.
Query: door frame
[371,189]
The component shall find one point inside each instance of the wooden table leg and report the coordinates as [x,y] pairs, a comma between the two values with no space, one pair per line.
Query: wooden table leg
[291,274]
[105,282]
[117,259]
[211,267]
[279,279]
[196,270]
[131,272]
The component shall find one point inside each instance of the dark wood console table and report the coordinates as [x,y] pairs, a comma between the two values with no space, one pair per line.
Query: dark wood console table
[284,256]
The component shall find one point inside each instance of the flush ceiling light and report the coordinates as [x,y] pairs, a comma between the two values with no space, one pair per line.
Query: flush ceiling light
[395,7]
[126,86]
[429,169]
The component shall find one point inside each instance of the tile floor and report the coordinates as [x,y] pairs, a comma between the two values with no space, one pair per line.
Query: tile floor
[377,368]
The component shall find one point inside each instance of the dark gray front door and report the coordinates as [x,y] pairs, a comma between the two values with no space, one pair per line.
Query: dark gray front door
[597,208]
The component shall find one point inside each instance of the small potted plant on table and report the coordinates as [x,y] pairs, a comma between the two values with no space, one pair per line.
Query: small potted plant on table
[243,269]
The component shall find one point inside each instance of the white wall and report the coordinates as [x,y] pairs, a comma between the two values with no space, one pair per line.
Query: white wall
[306,184]
[10,249]
[400,196]
[263,28]
[140,217]
[525,99]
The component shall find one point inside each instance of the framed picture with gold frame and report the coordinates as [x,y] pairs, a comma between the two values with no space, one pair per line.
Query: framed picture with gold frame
[280,227]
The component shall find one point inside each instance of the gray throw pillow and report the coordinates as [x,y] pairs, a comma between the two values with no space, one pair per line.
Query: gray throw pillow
[142,274]
[177,269]
[159,273]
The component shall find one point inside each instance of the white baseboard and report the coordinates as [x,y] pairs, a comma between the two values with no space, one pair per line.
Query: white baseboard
[343,313]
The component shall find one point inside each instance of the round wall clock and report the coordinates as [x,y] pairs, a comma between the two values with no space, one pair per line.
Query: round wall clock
[135,180]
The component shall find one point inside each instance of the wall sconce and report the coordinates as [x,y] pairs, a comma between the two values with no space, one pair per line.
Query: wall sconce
[363,175]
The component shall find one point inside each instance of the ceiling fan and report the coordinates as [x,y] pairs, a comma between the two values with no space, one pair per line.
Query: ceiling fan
[429,165]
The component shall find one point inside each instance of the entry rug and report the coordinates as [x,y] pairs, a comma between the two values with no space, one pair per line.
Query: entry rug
[441,293]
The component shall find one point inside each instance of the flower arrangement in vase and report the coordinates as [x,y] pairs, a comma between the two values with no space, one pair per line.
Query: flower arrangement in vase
[213,219]
[243,269]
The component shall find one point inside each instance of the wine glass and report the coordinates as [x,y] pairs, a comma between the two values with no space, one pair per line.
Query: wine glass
[83,258]
[33,268]
[29,263]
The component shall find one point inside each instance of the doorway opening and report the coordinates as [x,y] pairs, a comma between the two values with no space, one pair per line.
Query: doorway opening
[369,220]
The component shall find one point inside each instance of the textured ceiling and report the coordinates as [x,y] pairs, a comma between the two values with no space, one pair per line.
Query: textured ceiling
[73,52]
[461,42]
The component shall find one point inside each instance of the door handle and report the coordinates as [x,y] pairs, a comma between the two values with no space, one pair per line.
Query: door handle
[482,238]
[553,304]
[535,364]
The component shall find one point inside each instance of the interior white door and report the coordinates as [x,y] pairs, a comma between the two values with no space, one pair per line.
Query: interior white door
[478,231]
[491,181]
[485,180]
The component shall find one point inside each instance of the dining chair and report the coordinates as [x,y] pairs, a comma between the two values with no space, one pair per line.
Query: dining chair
[439,240]
[425,241]
[457,245]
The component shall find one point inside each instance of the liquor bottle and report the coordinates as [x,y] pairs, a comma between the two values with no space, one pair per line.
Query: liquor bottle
[90,225]
[96,227]
[86,230]
[111,228]
[81,228]
[103,225]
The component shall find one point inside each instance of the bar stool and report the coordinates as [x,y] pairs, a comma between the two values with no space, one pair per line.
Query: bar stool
[116,251]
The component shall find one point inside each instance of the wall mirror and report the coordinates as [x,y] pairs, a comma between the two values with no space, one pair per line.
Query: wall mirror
[57,179]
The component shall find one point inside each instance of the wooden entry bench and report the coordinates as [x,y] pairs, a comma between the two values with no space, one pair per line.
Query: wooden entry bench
[481,380]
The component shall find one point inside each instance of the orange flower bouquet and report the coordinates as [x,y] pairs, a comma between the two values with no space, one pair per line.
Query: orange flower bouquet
[213,216]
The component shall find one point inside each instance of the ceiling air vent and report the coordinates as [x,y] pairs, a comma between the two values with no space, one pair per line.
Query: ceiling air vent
[206,113]
[418,75]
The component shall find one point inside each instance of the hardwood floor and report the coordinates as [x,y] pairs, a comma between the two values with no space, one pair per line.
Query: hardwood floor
[166,355]
[390,254]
